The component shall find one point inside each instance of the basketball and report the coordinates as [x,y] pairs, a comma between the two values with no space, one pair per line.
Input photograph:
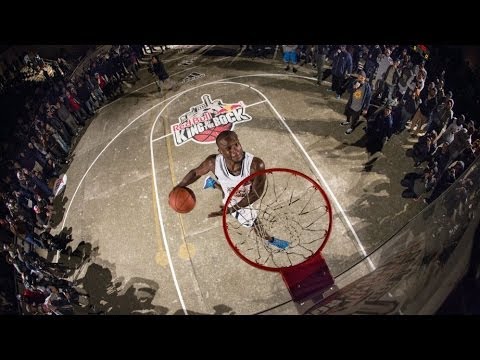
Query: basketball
[182,200]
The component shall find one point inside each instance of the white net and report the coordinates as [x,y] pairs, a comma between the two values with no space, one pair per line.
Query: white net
[291,208]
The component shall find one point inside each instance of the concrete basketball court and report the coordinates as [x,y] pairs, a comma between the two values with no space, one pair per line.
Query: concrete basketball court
[143,258]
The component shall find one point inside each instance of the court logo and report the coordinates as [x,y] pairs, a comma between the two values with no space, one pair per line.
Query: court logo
[192,77]
[188,62]
[203,122]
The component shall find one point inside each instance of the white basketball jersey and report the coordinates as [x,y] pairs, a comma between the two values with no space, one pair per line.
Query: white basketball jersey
[228,181]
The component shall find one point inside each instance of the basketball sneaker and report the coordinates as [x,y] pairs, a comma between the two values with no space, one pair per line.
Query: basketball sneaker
[281,244]
[209,183]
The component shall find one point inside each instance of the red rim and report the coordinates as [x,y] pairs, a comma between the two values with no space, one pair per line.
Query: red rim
[269,171]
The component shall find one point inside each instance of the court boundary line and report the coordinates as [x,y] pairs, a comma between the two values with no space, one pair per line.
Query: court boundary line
[159,211]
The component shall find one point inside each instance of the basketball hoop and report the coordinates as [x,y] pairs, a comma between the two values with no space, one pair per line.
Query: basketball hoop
[292,207]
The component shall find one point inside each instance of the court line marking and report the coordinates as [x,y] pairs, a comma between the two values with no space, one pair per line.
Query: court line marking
[238,55]
[100,154]
[275,53]
[257,103]
[159,212]
[162,137]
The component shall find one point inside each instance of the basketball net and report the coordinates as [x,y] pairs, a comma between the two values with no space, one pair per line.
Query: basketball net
[292,207]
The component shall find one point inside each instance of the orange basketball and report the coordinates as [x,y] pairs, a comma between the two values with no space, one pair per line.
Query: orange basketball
[182,200]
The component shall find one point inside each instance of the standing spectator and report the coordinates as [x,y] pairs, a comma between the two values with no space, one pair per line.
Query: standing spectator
[423,115]
[158,69]
[384,61]
[358,102]
[390,79]
[320,55]
[410,105]
[379,129]
[441,116]
[290,56]
[341,69]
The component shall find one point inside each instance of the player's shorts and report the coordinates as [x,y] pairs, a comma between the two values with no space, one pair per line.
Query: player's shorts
[246,216]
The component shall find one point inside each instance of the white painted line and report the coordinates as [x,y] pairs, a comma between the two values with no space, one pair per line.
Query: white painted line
[100,154]
[175,59]
[275,53]
[205,49]
[259,102]
[159,211]
[238,55]
[161,137]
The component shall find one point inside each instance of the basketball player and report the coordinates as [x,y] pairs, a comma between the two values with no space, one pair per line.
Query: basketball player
[230,167]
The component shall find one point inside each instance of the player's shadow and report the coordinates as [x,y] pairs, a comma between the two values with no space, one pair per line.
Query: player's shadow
[59,207]
[339,263]
[111,296]
[380,217]
[369,164]
[362,142]
[220,309]
[58,243]
[74,259]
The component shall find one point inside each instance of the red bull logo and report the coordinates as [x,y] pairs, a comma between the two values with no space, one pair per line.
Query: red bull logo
[203,122]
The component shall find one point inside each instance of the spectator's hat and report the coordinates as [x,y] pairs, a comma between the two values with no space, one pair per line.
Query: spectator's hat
[362,73]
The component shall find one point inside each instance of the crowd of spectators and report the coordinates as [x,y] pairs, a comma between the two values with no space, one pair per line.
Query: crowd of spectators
[405,87]
[46,107]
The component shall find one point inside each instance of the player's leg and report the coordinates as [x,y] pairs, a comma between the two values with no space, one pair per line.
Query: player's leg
[262,232]
[248,218]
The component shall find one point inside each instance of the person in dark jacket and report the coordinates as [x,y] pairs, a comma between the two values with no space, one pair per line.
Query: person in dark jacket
[158,68]
[341,68]
[379,129]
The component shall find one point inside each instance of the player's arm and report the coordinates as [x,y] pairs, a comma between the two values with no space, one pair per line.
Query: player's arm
[258,185]
[204,168]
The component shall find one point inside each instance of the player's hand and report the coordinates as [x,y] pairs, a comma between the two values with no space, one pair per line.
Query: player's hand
[216,213]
